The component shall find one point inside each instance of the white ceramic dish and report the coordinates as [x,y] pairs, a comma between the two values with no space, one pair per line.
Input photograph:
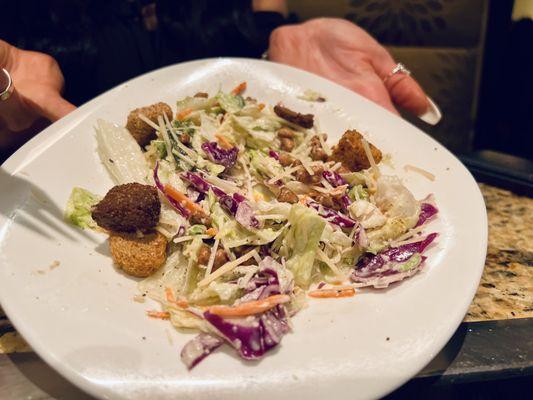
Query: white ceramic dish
[80,316]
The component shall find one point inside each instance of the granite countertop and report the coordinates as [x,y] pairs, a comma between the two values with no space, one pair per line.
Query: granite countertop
[506,288]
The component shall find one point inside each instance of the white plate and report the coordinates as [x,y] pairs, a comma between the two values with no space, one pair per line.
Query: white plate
[80,316]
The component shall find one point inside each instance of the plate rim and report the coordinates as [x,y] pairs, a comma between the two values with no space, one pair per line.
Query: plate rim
[54,132]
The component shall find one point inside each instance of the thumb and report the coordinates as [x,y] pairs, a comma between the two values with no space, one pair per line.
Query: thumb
[56,107]
[405,91]
[49,104]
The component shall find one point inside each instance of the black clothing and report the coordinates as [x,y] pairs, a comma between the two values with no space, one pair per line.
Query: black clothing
[99,44]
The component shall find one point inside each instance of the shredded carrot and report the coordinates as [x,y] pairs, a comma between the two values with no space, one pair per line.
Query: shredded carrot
[171,299]
[303,200]
[258,197]
[260,106]
[224,143]
[211,231]
[250,307]
[183,114]
[241,87]
[333,292]
[183,200]
[158,314]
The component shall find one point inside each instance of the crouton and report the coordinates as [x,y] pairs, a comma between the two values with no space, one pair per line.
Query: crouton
[351,153]
[140,130]
[128,208]
[138,256]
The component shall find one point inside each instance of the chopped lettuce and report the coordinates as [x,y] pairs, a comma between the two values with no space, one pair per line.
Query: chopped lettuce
[79,205]
[367,214]
[229,102]
[358,193]
[196,230]
[211,167]
[234,234]
[195,103]
[263,165]
[303,239]
[396,201]
[393,228]
[255,135]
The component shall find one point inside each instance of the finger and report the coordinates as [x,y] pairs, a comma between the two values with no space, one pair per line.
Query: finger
[403,89]
[14,114]
[49,104]
[56,107]
[368,84]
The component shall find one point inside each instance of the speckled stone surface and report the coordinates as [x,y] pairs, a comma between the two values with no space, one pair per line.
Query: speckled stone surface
[506,288]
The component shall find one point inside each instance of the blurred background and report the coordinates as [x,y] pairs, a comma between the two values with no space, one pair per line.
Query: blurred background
[475,59]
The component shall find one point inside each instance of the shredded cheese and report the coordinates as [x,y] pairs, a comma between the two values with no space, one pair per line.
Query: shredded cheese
[227,268]
[423,172]
[326,184]
[285,122]
[248,180]
[183,157]
[320,189]
[169,221]
[164,134]
[408,241]
[257,258]
[190,237]
[306,165]
[303,147]
[228,251]
[407,235]
[188,274]
[164,232]
[191,153]
[336,166]
[370,157]
[271,216]
[287,172]
[212,257]
[324,145]
[354,230]
[223,184]
[149,122]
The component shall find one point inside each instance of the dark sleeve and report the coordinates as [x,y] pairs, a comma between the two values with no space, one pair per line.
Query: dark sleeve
[98,44]
[212,28]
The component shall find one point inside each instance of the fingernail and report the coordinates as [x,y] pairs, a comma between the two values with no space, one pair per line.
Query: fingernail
[433,115]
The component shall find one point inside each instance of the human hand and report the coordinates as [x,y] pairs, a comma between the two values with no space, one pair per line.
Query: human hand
[343,52]
[38,83]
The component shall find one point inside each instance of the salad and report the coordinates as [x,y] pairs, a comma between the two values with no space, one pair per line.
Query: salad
[234,213]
